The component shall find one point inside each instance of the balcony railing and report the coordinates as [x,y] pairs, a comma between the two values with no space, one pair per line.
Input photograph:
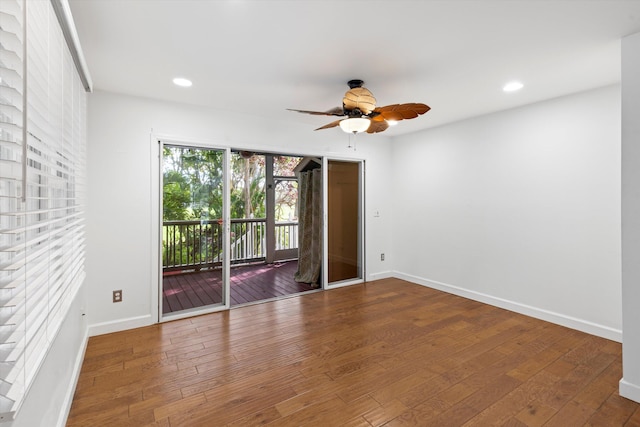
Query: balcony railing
[286,235]
[247,240]
[198,244]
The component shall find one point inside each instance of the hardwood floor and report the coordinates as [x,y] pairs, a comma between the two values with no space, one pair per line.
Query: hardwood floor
[382,353]
[249,283]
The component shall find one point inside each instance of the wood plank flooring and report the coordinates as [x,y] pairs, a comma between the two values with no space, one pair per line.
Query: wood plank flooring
[384,353]
[249,283]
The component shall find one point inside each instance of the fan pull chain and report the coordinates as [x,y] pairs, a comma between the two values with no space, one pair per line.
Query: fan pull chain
[355,134]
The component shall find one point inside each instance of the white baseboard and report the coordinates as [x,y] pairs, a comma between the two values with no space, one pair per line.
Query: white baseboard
[120,325]
[630,391]
[549,316]
[380,275]
[77,367]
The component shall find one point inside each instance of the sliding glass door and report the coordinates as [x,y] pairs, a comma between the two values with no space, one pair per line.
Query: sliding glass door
[194,276]
[282,224]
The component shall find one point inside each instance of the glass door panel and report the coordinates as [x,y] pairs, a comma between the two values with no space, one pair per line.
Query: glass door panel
[193,234]
[344,235]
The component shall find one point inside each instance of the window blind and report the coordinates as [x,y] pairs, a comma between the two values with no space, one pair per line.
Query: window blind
[12,268]
[42,154]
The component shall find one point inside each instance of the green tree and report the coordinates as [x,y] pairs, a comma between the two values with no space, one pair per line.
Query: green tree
[177,197]
[247,186]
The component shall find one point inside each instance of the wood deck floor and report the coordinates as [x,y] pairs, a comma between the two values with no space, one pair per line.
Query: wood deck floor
[249,283]
[386,353]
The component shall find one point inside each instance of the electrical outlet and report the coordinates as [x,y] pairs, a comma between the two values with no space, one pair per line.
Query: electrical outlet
[381,257]
[117,296]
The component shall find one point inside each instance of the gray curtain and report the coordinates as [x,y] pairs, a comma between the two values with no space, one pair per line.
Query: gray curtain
[309,227]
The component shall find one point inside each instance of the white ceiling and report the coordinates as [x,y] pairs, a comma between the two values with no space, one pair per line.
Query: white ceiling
[263,56]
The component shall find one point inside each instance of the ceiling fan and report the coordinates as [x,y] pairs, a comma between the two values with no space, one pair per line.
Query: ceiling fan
[362,115]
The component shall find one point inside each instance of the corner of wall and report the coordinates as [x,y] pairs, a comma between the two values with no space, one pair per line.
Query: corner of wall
[630,384]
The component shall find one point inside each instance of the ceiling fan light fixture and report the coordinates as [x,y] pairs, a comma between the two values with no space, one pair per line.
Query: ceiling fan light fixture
[362,115]
[355,124]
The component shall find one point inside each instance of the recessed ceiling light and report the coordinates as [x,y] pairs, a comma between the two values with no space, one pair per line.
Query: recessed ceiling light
[512,86]
[179,81]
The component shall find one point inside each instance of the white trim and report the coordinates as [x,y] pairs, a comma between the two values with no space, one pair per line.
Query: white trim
[71,390]
[379,275]
[362,218]
[325,223]
[538,313]
[629,391]
[226,222]
[155,207]
[121,325]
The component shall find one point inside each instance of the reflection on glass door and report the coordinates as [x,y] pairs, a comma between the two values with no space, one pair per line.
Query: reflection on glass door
[192,229]
[344,228]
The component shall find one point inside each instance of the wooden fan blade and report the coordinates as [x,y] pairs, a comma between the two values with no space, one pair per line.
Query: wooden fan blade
[337,111]
[377,126]
[399,112]
[330,125]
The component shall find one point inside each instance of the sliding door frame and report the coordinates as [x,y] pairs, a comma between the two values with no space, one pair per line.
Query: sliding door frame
[158,142]
[361,222]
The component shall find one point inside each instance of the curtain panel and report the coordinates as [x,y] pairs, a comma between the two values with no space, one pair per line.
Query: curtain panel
[310,227]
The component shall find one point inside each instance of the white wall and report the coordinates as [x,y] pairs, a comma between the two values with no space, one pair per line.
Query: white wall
[630,383]
[520,209]
[121,189]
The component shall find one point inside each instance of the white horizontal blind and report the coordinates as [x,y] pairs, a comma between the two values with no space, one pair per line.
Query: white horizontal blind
[43,234]
[12,248]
